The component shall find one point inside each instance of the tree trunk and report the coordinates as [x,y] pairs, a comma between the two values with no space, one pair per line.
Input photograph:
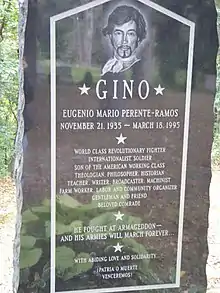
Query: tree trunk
[88,37]
[84,35]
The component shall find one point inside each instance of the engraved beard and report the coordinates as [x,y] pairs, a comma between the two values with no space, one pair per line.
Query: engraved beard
[125,51]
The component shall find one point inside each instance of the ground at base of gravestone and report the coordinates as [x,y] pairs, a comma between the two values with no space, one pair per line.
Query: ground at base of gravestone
[7,234]
[213,266]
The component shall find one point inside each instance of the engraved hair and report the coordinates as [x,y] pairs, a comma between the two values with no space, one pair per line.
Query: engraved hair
[124,14]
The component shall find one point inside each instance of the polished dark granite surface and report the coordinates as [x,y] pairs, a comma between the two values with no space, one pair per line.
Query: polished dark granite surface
[119,133]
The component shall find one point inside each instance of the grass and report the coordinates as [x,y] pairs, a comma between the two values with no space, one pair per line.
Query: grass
[78,73]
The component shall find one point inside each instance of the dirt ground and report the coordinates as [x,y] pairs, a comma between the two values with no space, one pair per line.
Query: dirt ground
[7,233]
[213,266]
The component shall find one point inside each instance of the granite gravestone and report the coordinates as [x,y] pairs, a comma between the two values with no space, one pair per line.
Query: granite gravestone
[117,165]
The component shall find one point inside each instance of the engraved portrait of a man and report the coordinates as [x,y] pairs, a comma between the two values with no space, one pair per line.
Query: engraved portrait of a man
[126,29]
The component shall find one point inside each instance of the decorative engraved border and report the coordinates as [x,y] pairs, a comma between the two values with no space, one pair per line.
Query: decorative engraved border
[184,21]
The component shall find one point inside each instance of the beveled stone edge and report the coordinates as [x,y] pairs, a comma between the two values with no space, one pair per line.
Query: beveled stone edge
[18,164]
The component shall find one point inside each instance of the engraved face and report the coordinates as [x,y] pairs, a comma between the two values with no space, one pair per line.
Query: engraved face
[126,29]
[124,39]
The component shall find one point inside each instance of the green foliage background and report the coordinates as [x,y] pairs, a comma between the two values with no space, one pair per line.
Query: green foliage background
[8,81]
